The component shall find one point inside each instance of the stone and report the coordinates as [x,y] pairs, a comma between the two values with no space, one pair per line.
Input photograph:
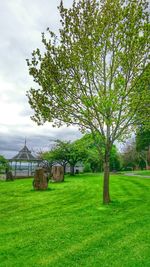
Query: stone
[40,181]
[3,177]
[9,176]
[57,174]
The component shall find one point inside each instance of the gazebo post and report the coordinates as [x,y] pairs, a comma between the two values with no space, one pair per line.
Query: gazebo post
[15,167]
[31,168]
[28,169]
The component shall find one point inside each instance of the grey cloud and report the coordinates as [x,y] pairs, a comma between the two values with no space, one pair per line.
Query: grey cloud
[21,24]
[26,112]
[9,147]
[13,141]
[19,34]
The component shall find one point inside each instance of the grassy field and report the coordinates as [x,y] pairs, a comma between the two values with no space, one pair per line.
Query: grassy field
[67,225]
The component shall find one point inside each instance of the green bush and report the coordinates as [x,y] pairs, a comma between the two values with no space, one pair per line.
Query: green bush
[3,164]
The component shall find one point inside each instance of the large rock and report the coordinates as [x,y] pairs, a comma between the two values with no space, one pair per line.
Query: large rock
[40,181]
[57,174]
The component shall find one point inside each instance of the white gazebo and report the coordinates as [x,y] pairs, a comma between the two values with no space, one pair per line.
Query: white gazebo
[24,163]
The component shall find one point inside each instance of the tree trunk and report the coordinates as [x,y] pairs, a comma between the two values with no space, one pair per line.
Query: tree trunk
[71,169]
[92,168]
[106,196]
[148,159]
[146,164]
[64,168]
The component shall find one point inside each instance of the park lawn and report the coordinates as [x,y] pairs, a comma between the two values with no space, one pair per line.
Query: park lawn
[68,225]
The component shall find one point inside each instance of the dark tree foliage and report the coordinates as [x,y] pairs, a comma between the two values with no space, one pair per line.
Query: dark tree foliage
[143,144]
[4,166]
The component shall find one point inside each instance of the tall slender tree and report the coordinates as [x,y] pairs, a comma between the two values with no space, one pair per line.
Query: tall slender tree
[143,145]
[90,74]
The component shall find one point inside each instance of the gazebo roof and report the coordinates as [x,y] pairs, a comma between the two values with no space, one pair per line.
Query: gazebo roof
[24,155]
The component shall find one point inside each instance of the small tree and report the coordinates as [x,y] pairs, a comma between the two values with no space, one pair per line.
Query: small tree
[93,160]
[4,166]
[64,152]
[143,145]
[94,152]
[57,154]
[90,75]
[130,156]
[114,159]
[77,153]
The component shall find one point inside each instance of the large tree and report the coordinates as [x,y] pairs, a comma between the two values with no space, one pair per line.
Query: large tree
[90,74]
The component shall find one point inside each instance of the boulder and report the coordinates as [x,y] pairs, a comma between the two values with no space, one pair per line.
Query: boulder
[57,174]
[9,176]
[40,181]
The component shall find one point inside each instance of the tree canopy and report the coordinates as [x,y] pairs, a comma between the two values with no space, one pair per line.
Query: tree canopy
[90,75]
[64,152]
[142,139]
[84,150]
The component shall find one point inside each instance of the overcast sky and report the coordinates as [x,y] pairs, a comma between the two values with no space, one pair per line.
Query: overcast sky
[21,24]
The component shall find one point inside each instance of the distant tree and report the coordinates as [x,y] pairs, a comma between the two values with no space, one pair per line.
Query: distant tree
[64,152]
[77,153]
[58,154]
[90,75]
[4,165]
[48,158]
[115,162]
[131,158]
[143,114]
[142,139]
[93,160]
[143,145]
[94,152]
[94,155]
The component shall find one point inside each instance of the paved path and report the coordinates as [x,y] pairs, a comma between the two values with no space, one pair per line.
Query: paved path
[138,175]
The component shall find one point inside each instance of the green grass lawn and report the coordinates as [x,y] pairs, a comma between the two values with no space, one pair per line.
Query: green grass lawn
[68,226]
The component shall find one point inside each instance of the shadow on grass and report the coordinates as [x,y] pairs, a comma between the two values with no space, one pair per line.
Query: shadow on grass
[40,190]
[64,182]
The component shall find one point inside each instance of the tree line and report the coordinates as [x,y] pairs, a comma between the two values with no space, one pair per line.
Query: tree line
[136,153]
[85,151]
[90,153]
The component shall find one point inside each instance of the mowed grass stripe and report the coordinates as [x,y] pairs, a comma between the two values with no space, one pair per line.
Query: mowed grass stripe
[68,225]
